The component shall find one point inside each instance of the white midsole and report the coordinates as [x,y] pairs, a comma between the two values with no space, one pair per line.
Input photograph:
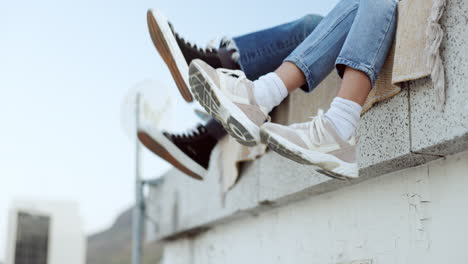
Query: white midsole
[175,152]
[315,157]
[174,48]
[228,108]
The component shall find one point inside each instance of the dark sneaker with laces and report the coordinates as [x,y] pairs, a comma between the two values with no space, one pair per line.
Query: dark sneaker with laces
[177,53]
[190,152]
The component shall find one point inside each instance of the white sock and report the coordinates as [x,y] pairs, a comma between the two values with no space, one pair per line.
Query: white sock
[269,91]
[345,115]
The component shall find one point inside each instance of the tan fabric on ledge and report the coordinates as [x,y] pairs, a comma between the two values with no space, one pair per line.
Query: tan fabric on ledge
[226,158]
[408,58]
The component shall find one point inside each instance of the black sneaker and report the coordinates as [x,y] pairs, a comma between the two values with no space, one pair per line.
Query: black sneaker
[192,51]
[178,53]
[190,152]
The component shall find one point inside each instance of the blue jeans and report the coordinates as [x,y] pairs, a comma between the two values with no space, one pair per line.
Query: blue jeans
[356,33]
[263,51]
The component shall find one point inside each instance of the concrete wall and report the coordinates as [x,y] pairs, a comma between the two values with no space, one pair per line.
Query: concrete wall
[402,132]
[281,211]
[416,215]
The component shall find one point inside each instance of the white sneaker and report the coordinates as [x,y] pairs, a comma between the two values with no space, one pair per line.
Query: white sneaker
[314,143]
[228,96]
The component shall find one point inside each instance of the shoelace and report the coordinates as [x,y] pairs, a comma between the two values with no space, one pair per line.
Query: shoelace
[208,49]
[191,134]
[211,44]
[240,75]
[316,127]
[223,42]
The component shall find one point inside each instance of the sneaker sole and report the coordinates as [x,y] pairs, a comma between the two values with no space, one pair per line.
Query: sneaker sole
[234,121]
[342,172]
[163,39]
[178,163]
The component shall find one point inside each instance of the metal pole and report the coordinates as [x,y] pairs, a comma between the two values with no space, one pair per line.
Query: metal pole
[137,223]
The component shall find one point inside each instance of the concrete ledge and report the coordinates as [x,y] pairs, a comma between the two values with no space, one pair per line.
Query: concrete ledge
[416,215]
[182,206]
[399,133]
[444,132]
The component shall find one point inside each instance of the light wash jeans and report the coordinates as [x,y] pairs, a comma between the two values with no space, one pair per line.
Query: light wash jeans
[263,51]
[356,33]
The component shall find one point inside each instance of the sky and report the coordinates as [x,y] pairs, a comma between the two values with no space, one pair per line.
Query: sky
[65,69]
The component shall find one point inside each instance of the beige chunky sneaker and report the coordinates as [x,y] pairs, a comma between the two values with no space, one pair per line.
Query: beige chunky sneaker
[227,95]
[314,143]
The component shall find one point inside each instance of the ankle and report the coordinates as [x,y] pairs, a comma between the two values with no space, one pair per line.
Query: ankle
[344,115]
[269,91]
[291,75]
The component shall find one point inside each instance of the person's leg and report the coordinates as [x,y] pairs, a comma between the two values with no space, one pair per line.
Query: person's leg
[355,86]
[326,40]
[312,61]
[257,53]
[327,140]
[234,101]
[373,28]
[263,51]
[369,23]
[291,76]
[345,110]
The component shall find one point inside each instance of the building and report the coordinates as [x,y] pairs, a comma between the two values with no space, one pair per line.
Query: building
[45,232]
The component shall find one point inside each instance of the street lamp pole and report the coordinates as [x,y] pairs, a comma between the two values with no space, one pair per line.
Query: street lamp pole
[138,211]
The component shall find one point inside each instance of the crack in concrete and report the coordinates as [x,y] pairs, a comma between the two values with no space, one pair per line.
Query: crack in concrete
[407,86]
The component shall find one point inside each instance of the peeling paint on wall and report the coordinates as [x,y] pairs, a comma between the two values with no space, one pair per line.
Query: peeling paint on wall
[419,200]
